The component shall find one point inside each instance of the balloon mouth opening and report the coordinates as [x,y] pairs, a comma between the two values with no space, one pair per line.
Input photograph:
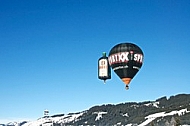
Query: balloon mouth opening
[126,80]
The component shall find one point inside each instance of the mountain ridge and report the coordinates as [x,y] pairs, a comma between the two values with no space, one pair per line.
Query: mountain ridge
[164,111]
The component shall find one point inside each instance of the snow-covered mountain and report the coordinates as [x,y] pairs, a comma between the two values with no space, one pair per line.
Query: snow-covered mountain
[162,112]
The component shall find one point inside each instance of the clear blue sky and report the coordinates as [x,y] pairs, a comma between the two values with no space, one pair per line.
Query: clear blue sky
[49,51]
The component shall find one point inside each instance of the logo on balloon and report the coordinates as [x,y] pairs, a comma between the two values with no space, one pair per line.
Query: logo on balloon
[124,57]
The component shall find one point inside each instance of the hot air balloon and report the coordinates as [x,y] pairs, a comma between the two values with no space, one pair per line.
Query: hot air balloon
[126,60]
[104,70]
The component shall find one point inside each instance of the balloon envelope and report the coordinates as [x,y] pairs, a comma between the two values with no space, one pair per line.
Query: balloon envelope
[126,60]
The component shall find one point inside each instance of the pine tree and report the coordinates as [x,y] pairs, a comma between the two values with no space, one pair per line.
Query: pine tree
[173,122]
[177,120]
[152,123]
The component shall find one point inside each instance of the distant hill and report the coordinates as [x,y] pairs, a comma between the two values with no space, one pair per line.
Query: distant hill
[174,111]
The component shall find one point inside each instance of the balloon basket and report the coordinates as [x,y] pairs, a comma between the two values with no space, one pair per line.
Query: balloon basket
[104,81]
[126,87]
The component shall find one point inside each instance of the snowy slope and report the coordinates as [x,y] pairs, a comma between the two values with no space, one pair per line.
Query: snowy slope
[99,115]
[50,120]
[152,117]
